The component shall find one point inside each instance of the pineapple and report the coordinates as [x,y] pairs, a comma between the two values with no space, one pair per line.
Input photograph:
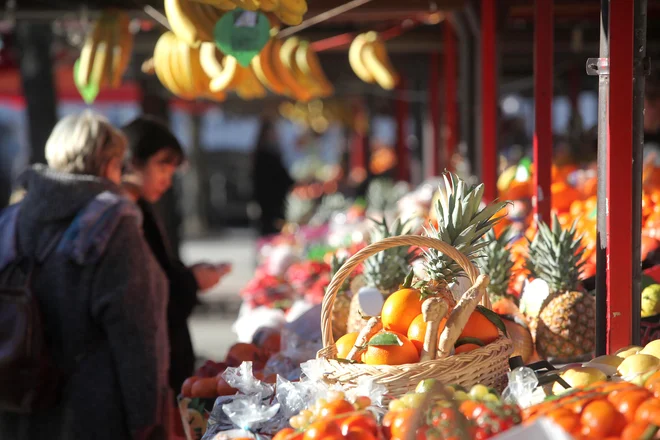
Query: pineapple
[497,263]
[384,271]
[383,194]
[462,224]
[566,324]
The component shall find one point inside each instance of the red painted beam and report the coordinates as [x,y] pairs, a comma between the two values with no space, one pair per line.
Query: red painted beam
[543,93]
[437,162]
[451,90]
[402,112]
[619,177]
[488,99]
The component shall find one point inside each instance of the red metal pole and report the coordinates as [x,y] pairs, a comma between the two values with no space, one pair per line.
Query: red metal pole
[402,112]
[619,177]
[451,89]
[488,100]
[543,93]
[434,113]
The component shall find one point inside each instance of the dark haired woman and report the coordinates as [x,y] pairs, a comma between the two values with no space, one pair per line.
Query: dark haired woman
[154,154]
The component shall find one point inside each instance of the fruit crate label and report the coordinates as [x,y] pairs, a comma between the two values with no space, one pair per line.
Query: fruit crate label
[242,34]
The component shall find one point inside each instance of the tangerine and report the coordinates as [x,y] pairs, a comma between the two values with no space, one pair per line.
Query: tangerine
[360,434]
[400,309]
[403,353]
[480,327]
[417,331]
[464,348]
[361,422]
[649,411]
[284,434]
[598,417]
[345,344]
[403,425]
[565,418]
[635,431]
[627,402]
[335,408]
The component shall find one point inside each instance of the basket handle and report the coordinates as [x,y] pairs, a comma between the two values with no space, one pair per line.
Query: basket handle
[403,240]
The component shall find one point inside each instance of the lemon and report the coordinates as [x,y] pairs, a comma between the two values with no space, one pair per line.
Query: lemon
[637,368]
[628,351]
[652,348]
[651,301]
[579,377]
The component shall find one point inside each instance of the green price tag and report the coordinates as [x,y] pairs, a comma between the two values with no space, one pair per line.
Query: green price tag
[242,34]
[88,92]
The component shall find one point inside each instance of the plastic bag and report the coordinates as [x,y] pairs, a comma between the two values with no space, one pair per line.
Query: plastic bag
[294,351]
[522,384]
[251,320]
[244,381]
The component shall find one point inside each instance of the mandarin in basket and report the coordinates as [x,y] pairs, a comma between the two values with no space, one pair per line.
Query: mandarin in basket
[400,309]
[345,344]
[390,348]
[417,331]
[481,327]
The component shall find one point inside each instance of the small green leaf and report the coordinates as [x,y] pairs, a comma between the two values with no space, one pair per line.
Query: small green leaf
[88,92]
[469,340]
[494,318]
[345,361]
[386,338]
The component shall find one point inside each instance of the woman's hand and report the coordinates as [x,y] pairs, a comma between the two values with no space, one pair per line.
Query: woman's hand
[208,275]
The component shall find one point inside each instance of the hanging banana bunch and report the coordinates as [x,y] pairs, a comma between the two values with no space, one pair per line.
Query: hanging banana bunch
[369,60]
[106,51]
[192,21]
[290,12]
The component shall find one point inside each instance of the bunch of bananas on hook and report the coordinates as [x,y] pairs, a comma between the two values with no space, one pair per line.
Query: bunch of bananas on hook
[369,60]
[106,51]
[290,12]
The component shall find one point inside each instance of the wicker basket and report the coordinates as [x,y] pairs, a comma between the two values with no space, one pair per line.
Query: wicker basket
[487,365]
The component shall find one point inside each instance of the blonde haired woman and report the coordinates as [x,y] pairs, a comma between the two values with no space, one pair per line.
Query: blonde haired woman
[102,295]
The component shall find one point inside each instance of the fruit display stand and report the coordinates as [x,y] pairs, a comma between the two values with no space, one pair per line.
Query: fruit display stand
[487,365]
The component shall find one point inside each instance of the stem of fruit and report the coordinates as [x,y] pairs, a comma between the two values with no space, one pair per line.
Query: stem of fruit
[650,432]
[433,309]
[373,326]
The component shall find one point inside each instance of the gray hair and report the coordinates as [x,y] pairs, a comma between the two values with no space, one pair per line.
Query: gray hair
[83,144]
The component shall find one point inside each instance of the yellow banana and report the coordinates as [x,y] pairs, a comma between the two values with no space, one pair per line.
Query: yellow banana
[269,5]
[288,55]
[112,35]
[264,70]
[102,54]
[225,5]
[308,62]
[87,53]
[355,59]
[250,87]
[205,17]
[216,96]
[286,74]
[124,48]
[229,77]
[294,7]
[248,5]
[201,81]
[179,17]
[210,58]
[374,57]
[182,68]
[288,17]
[162,67]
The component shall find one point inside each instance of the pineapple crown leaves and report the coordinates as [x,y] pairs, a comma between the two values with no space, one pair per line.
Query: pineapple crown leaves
[497,261]
[461,224]
[556,256]
[335,265]
[385,270]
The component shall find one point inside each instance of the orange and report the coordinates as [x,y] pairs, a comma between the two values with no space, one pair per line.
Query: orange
[186,388]
[635,431]
[400,309]
[464,348]
[360,434]
[565,418]
[361,422]
[480,327]
[417,331]
[627,402]
[205,388]
[406,353]
[649,411]
[403,425]
[598,417]
[285,433]
[345,344]
[335,408]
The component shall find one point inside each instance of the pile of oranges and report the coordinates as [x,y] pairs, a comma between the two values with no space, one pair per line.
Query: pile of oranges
[606,411]
[403,331]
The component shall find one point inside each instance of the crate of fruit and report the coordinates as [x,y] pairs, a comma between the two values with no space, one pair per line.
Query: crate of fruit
[450,352]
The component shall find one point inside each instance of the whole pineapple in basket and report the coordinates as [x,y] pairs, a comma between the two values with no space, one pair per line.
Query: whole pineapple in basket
[566,324]
[497,263]
[384,271]
[461,223]
[342,305]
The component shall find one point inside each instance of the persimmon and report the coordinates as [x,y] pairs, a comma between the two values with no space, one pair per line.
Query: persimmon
[243,352]
[204,388]
[186,388]
[222,388]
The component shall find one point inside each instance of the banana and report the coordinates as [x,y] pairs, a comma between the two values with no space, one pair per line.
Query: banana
[201,80]
[288,17]
[112,41]
[270,5]
[162,67]
[178,15]
[248,5]
[216,96]
[123,49]
[374,57]
[225,5]
[308,62]
[229,77]
[264,70]
[286,74]
[355,59]
[210,58]
[288,55]
[102,54]
[250,87]
[87,53]
[180,60]
[205,16]
[294,7]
